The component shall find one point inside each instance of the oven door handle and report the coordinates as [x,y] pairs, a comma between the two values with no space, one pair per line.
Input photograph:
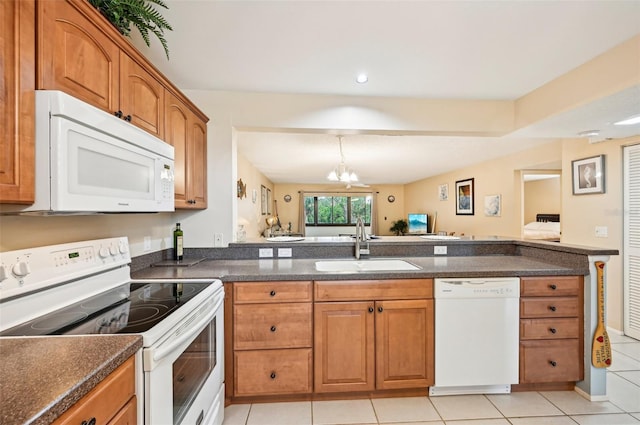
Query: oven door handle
[161,352]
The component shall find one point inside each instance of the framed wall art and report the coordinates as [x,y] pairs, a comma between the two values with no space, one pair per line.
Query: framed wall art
[492,207]
[464,197]
[588,175]
[443,192]
[263,200]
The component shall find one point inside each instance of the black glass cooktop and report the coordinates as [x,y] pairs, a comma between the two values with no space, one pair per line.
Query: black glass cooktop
[111,312]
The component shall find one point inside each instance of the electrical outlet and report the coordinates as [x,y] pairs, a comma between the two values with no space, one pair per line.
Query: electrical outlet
[439,250]
[147,243]
[265,252]
[217,240]
[602,232]
[285,252]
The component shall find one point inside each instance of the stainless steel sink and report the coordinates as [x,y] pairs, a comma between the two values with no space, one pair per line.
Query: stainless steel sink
[355,266]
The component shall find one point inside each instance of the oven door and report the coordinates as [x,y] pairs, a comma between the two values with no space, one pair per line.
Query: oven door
[184,371]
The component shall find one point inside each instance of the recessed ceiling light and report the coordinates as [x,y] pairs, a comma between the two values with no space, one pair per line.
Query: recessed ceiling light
[362,78]
[589,133]
[629,121]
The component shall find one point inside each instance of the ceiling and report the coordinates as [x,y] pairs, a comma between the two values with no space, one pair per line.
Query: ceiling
[485,50]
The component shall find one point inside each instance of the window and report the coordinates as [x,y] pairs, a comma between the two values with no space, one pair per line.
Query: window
[337,210]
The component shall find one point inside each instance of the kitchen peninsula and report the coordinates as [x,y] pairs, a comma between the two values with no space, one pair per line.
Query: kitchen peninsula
[284,285]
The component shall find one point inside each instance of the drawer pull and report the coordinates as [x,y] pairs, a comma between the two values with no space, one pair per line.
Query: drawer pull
[91,421]
[552,363]
[273,328]
[180,378]
[553,286]
[272,293]
[552,307]
[273,375]
[553,330]
[370,309]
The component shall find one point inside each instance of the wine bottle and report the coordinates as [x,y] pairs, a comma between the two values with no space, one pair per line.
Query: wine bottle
[177,243]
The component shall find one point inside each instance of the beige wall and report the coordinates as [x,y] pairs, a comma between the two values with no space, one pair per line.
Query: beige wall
[249,210]
[541,197]
[496,177]
[582,213]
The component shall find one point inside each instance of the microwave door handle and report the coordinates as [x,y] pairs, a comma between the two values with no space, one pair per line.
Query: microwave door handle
[163,351]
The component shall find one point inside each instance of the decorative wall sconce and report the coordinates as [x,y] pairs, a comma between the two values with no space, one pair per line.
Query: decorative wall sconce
[242,189]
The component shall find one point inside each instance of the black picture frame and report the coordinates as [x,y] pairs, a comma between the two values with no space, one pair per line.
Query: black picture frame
[465,197]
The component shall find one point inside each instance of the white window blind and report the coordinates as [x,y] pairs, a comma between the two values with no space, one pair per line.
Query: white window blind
[632,241]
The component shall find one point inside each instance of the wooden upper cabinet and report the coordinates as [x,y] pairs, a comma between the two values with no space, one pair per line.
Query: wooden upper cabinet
[187,133]
[17,101]
[75,56]
[141,97]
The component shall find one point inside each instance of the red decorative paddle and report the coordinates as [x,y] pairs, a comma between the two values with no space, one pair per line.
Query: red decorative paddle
[601,348]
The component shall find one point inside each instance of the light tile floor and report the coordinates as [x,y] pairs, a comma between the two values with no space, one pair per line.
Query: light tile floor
[525,408]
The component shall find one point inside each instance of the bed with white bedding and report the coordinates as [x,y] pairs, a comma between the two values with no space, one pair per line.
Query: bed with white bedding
[546,228]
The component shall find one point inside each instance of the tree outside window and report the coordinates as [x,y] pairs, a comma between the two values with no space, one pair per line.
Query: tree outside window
[337,210]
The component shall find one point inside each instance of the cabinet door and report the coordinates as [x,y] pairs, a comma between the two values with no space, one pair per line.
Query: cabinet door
[75,56]
[17,101]
[344,347]
[176,134]
[141,97]
[197,164]
[404,344]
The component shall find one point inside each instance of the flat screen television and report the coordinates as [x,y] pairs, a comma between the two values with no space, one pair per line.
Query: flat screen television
[418,223]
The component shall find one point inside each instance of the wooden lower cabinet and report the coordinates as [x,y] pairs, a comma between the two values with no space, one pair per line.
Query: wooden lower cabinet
[271,372]
[551,330]
[373,345]
[111,402]
[271,336]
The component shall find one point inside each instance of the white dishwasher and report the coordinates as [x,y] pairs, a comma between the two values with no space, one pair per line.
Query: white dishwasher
[476,335]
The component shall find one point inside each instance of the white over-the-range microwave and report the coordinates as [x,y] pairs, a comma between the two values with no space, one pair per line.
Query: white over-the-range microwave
[89,161]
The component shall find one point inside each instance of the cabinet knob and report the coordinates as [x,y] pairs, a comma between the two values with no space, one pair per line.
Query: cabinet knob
[370,309]
[273,375]
[380,309]
[118,114]
[552,363]
[553,286]
[552,307]
[273,328]
[127,118]
[91,421]
[552,330]
[272,293]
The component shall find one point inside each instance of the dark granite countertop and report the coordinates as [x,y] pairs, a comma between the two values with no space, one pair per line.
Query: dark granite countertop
[304,269]
[41,377]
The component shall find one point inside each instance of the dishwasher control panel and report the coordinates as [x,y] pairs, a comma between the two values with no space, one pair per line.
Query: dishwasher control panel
[498,287]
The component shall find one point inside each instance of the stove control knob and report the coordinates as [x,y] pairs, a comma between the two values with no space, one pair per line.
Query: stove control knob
[113,250]
[21,269]
[3,273]
[104,252]
[123,248]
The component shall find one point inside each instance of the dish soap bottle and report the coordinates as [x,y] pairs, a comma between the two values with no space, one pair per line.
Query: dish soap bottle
[177,243]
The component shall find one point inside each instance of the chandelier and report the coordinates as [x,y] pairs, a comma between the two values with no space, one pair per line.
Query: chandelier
[342,173]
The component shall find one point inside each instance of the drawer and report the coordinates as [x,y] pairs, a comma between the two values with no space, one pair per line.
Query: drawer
[549,307]
[271,292]
[550,361]
[266,372]
[550,286]
[550,328]
[106,399]
[366,290]
[259,326]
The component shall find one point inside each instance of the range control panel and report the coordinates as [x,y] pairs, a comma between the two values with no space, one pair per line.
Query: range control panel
[33,269]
